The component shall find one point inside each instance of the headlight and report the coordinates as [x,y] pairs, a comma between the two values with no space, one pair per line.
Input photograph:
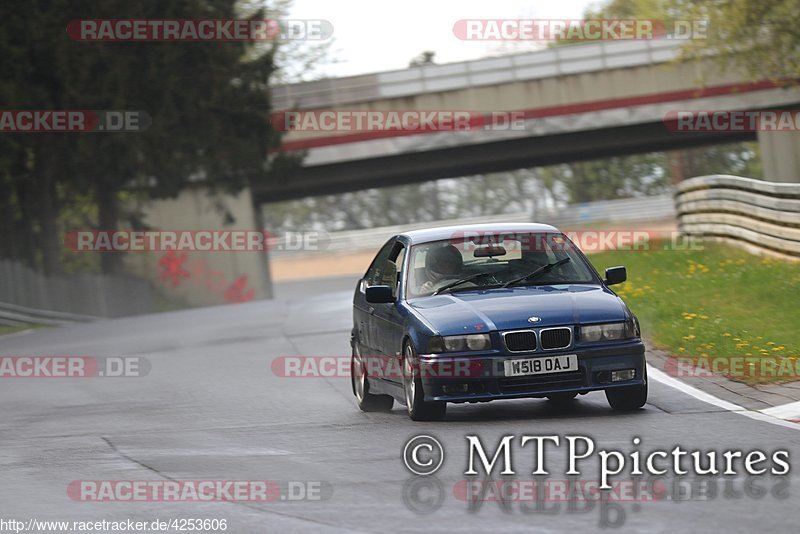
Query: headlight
[608,332]
[591,333]
[455,343]
[459,343]
[478,342]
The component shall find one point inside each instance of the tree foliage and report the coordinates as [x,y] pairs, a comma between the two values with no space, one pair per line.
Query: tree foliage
[759,37]
[208,101]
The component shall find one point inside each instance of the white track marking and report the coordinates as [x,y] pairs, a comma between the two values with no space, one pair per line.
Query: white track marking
[660,376]
[784,411]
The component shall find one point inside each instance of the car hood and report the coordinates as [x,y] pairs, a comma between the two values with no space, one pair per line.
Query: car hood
[506,309]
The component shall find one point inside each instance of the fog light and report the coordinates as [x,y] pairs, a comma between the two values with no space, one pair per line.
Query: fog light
[453,389]
[619,376]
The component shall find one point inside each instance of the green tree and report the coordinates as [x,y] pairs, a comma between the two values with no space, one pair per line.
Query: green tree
[760,37]
[209,104]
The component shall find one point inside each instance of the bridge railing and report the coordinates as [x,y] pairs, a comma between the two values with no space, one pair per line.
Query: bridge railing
[546,63]
[763,217]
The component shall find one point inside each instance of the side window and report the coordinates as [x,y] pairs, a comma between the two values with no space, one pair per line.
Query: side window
[374,274]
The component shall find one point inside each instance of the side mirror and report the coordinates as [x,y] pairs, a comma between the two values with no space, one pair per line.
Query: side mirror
[615,275]
[379,294]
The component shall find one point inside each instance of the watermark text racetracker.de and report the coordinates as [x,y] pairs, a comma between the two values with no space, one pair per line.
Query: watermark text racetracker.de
[199,490]
[588,241]
[203,30]
[72,121]
[774,120]
[405,120]
[54,366]
[377,366]
[578,29]
[752,367]
[194,240]
[546,496]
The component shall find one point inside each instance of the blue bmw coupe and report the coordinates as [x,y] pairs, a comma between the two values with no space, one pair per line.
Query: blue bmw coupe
[477,313]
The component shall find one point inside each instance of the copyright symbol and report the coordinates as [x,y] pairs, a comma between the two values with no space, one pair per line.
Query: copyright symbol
[423,455]
[423,495]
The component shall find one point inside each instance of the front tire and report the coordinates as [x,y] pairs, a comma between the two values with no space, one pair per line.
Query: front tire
[367,402]
[418,408]
[627,398]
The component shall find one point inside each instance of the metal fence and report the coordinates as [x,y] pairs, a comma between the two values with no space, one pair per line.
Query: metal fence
[30,297]
[763,217]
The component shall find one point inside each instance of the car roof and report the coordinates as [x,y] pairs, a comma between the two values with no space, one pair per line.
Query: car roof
[447,232]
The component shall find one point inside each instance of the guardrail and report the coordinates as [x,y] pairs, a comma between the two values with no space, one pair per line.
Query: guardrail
[763,217]
[650,208]
[29,297]
[13,315]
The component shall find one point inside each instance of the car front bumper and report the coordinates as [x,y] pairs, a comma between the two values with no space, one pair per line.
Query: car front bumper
[481,377]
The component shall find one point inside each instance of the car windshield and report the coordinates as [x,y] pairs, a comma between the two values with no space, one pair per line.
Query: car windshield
[489,261]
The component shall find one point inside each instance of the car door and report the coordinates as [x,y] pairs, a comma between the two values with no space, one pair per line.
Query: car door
[387,320]
[363,310]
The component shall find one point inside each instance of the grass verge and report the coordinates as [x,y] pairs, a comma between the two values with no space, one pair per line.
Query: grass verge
[5,329]
[727,310]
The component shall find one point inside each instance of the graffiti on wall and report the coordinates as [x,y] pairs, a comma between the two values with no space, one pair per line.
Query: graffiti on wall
[176,269]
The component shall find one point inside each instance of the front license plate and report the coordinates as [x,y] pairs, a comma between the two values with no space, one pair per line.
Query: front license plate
[541,365]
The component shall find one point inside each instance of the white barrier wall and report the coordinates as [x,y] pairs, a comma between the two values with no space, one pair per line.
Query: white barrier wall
[763,217]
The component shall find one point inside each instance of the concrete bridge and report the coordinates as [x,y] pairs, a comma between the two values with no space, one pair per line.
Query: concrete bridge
[577,102]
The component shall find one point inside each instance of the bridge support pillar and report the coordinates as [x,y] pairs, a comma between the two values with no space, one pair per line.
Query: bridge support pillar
[205,277]
[780,155]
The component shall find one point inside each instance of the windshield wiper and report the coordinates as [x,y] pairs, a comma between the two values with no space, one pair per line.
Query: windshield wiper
[451,285]
[541,270]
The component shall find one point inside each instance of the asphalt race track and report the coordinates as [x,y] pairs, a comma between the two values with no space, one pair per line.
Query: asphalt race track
[211,408]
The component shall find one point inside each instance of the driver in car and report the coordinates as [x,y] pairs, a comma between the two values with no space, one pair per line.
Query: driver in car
[537,257]
[443,265]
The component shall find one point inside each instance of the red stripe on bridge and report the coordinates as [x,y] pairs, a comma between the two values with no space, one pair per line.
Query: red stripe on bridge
[551,111]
